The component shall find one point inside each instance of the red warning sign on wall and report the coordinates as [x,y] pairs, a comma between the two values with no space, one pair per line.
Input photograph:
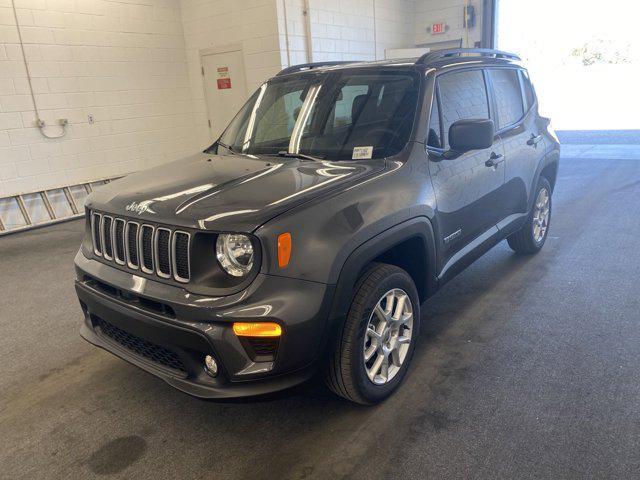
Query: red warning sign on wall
[224,81]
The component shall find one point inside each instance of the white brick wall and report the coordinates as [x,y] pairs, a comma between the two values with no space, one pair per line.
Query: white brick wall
[135,65]
[344,29]
[122,61]
[215,23]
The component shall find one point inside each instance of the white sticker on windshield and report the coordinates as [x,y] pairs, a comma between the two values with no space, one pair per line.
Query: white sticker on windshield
[361,153]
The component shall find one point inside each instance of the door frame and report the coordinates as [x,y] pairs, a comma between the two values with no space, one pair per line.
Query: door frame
[228,48]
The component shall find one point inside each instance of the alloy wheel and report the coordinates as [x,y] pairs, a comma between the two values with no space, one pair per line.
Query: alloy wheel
[541,216]
[388,336]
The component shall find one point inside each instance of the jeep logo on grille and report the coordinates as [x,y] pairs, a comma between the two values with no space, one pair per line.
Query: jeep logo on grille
[138,208]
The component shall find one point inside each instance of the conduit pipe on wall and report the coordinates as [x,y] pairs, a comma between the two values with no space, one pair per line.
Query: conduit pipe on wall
[39,122]
[307,27]
[286,31]
[375,28]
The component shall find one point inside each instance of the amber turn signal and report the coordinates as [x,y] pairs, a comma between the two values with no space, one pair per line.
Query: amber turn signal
[257,329]
[284,249]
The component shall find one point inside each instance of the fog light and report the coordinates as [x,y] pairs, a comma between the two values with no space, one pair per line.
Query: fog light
[210,365]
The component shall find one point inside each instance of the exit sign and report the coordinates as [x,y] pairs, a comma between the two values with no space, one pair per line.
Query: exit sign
[438,28]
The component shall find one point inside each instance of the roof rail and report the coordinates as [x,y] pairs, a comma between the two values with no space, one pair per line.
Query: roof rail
[309,66]
[451,52]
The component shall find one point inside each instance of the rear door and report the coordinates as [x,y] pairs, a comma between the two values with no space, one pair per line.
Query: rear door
[467,190]
[521,138]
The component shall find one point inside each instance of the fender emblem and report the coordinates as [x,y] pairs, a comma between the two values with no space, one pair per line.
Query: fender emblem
[453,236]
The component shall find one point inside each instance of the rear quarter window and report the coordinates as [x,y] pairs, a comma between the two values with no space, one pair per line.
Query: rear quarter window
[506,87]
[529,96]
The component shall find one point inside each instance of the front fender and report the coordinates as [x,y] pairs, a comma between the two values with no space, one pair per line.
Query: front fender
[326,231]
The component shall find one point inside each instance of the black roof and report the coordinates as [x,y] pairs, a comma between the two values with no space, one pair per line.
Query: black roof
[437,58]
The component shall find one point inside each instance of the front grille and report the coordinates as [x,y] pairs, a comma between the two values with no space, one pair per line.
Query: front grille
[118,237]
[132,245]
[147,248]
[144,348]
[181,266]
[154,250]
[107,223]
[163,262]
[96,218]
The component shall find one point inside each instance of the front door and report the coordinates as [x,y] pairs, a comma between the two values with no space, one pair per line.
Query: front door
[468,190]
[225,88]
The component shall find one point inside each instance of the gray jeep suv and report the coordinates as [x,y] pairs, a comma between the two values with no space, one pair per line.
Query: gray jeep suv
[306,238]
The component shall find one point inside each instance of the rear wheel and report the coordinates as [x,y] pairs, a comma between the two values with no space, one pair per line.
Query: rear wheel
[531,237]
[374,349]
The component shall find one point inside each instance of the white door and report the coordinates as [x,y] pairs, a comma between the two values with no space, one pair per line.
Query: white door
[225,88]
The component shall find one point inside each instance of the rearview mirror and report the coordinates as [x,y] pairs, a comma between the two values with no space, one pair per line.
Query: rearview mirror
[465,135]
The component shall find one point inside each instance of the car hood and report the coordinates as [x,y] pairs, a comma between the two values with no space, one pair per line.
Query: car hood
[225,192]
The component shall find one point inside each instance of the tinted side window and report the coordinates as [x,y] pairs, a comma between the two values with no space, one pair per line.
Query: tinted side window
[528,90]
[462,95]
[433,137]
[506,86]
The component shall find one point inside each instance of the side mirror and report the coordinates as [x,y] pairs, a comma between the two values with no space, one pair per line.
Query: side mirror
[465,135]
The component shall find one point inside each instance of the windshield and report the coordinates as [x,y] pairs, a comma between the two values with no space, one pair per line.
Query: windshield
[336,115]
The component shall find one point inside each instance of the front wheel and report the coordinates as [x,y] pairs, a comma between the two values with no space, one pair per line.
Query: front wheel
[374,349]
[531,237]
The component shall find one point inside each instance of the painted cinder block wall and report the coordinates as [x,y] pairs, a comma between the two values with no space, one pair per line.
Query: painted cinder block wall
[215,23]
[122,61]
[135,66]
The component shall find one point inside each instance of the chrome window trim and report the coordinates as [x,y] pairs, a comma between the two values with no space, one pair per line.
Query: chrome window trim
[124,240]
[93,233]
[177,277]
[156,257]
[141,249]
[127,250]
[102,233]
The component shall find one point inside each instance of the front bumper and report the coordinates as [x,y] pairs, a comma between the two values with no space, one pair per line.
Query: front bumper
[167,331]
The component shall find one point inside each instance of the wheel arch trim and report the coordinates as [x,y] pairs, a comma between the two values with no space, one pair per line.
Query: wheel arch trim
[361,256]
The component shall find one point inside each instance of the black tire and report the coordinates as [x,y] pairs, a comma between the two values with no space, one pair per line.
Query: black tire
[523,241]
[346,374]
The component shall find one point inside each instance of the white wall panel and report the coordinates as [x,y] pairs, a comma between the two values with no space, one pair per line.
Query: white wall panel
[217,23]
[122,61]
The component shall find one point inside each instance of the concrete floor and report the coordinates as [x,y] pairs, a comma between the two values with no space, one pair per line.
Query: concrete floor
[527,368]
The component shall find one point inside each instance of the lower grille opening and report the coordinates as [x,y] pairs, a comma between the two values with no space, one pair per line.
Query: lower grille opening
[261,349]
[144,348]
[134,300]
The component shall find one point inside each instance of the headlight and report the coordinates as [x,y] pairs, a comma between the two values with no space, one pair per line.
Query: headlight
[234,252]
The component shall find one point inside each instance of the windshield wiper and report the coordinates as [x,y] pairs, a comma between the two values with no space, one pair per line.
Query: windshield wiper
[228,147]
[284,153]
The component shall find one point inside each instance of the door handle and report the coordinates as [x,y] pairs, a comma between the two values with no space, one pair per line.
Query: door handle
[533,141]
[494,159]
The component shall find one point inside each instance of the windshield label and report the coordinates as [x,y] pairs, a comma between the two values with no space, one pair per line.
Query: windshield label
[362,153]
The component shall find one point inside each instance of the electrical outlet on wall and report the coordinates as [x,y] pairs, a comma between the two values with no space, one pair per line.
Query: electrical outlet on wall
[90,119]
